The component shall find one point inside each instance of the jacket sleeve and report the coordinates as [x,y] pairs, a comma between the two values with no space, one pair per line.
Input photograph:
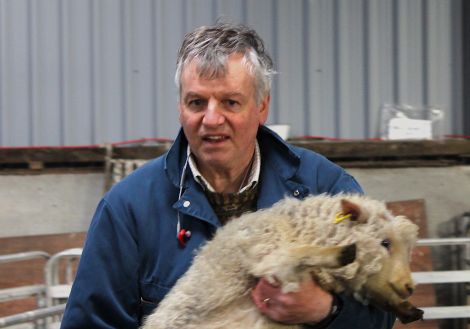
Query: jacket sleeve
[345,183]
[355,314]
[105,292]
[331,178]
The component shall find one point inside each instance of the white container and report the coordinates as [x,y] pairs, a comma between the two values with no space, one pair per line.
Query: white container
[281,130]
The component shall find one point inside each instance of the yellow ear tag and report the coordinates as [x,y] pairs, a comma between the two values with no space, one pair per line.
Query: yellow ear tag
[340,217]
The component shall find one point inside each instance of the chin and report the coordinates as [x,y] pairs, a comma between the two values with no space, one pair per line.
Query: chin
[218,163]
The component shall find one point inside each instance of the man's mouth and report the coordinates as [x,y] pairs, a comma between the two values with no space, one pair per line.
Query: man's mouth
[214,138]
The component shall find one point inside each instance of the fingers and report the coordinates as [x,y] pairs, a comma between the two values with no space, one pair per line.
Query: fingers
[262,295]
[271,302]
[311,303]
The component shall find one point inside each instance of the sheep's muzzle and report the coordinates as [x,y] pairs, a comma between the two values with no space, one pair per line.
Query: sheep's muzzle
[407,312]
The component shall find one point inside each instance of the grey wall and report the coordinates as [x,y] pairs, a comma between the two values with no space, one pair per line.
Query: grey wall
[93,71]
[48,204]
[29,206]
[446,190]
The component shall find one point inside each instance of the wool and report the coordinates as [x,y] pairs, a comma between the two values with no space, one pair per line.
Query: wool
[285,243]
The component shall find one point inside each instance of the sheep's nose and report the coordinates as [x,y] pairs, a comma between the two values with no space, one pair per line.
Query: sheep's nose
[403,289]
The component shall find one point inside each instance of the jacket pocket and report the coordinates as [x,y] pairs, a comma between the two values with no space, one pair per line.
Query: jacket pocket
[150,296]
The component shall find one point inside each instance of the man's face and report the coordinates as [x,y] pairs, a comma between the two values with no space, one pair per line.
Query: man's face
[220,117]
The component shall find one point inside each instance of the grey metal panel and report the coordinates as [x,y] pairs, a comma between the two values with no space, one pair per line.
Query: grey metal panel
[201,12]
[139,68]
[110,100]
[76,77]
[350,68]
[81,72]
[321,98]
[15,93]
[440,80]
[235,10]
[261,15]
[379,53]
[171,27]
[289,63]
[410,51]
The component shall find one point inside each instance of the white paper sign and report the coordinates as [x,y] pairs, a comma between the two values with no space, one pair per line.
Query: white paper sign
[404,128]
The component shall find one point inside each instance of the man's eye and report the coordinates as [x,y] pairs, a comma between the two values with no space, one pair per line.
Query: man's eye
[231,103]
[196,103]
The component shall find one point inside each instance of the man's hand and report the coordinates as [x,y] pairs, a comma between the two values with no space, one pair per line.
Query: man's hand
[310,304]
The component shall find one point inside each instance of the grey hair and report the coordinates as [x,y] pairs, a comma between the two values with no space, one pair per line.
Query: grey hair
[211,46]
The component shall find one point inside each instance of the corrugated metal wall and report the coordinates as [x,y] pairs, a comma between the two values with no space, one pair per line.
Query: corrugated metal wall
[93,71]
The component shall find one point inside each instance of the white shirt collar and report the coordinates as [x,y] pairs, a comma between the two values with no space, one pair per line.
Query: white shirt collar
[252,180]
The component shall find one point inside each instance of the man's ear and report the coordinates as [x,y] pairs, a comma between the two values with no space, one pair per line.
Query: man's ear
[180,111]
[354,211]
[264,109]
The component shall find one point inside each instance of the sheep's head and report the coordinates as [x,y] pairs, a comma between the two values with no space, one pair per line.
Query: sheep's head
[393,238]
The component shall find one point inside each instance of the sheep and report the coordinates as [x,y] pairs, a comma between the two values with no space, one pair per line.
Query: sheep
[349,243]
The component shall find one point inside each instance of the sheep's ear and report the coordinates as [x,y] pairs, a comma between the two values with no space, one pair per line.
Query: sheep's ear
[352,209]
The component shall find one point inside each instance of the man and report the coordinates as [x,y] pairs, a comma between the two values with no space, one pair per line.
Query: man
[223,163]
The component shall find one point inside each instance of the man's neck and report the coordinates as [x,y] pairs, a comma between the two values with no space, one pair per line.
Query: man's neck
[228,181]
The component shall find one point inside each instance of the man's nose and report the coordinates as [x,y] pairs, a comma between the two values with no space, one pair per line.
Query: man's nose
[213,115]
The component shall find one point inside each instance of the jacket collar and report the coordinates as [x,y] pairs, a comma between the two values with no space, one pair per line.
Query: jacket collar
[176,158]
[274,150]
[279,164]
[284,158]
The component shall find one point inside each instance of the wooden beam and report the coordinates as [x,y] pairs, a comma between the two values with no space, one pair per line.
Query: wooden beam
[52,155]
[346,153]
[378,149]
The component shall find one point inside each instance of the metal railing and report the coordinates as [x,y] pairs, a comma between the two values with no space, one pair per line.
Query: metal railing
[440,277]
[55,294]
[52,295]
[37,290]
[23,256]
[32,316]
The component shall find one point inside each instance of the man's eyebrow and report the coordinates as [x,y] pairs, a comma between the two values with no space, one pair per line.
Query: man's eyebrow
[234,94]
[191,95]
[229,94]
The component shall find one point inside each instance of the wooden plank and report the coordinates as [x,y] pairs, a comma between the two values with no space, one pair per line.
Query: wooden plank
[52,155]
[367,149]
[399,162]
[139,152]
[346,153]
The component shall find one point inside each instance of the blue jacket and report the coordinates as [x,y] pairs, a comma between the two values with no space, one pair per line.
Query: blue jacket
[132,258]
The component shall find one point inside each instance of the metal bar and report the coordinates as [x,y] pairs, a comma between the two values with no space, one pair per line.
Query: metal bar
[446,312]
[31,315]
[51,274]
[441,277]
[23,256]
[21,292]
[443,242]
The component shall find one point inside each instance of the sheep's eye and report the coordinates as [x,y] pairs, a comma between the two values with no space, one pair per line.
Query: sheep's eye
[386,243]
